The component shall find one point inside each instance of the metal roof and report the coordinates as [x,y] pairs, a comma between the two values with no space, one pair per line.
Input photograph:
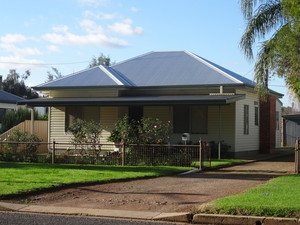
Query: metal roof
[6,97]
[167,68]
[136,100]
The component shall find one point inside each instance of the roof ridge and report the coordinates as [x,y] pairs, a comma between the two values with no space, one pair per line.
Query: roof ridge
[110,75]
[212,66]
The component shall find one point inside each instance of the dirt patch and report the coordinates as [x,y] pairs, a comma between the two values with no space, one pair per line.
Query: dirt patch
[167,194]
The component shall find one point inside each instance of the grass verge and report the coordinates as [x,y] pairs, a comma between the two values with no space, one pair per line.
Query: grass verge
[24,177]
[279,197]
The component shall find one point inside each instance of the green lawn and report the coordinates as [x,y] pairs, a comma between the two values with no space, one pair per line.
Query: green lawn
[23,177]
[221,162]
[279,197]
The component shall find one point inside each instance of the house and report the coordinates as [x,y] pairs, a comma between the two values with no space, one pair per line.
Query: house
[199,97]
[290,129]
[8,102]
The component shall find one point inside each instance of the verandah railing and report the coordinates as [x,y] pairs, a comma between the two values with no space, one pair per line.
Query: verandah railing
[108,154]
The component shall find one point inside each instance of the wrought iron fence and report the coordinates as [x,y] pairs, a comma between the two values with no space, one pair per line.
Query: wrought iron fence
[108,154]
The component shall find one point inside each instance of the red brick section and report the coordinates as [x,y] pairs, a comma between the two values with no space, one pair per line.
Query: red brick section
[267,131]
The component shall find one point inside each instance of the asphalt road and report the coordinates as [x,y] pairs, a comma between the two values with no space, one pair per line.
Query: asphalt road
[9,218]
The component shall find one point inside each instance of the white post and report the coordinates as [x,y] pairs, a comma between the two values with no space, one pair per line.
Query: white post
[219,144]
[32,120]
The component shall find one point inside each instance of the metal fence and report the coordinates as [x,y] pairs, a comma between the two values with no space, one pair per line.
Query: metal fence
[108,154]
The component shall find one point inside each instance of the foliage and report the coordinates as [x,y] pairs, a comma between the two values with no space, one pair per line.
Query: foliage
[125,131]
[13,118]
[55,74]
[26,151]
[14,84]
[146,131]
[101,60]
[86,135]
[279,55]
[154,131]
[24,177]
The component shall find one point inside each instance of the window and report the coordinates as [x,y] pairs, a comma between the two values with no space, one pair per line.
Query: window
[246,119]
[86,113]
[190,119]
[277,120]
[256,116]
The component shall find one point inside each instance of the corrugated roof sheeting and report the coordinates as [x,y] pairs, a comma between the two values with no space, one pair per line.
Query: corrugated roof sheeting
[6,97]
[90,77]
[153,69]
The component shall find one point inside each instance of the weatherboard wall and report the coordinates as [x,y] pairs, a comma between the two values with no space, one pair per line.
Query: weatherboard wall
[246,142]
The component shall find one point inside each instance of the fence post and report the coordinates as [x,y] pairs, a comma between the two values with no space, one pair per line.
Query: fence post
[123,154]
[53,152]
[297,156]
[200,155]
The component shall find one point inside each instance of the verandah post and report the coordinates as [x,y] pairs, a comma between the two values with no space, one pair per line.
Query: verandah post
[53,152]
[297,156]
[123,154]
[200,155]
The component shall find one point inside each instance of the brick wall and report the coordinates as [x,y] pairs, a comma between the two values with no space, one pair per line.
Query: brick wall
[267,130]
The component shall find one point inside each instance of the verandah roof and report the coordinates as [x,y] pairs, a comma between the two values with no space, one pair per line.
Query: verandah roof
[136,100]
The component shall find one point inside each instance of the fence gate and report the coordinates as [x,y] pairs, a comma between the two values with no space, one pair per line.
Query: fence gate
[297,155]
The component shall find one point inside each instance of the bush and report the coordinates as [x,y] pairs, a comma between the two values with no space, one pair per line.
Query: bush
[21,152]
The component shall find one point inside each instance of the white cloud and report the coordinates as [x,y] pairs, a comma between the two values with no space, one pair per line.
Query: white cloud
[91,27]
[133,9]
[89,39]
[11,48]
[15,38]
[62,29]
[99,15]
[8,62]
[53,48]
[126,28]
[94,3]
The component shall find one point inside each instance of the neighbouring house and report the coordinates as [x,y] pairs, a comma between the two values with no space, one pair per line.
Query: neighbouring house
[8,102]
[199,97]
[290,129]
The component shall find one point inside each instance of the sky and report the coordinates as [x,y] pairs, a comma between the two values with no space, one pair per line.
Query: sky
[67,34]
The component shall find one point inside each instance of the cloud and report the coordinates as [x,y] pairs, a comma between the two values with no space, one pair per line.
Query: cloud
[83,40]
[99,15]
[133,9]
[91,27]
[25,51]
[62,29]
[9,62]
[53,48]
[15,38]
[126,28]
[94,3]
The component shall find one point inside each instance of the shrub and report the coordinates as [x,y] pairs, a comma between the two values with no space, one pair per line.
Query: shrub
[21,152]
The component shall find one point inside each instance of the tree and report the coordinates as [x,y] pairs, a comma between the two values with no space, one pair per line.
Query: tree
[101,60]
[55,74]
[14,83]
[278,55]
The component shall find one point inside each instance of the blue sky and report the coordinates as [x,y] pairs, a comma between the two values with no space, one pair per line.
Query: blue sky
[66,34]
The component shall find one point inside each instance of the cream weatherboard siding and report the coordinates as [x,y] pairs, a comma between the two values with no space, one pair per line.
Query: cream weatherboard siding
[108,117]
[81,93]
[246,142]
[279,130]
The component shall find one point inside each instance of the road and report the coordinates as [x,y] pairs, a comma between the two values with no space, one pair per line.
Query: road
[9,218]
